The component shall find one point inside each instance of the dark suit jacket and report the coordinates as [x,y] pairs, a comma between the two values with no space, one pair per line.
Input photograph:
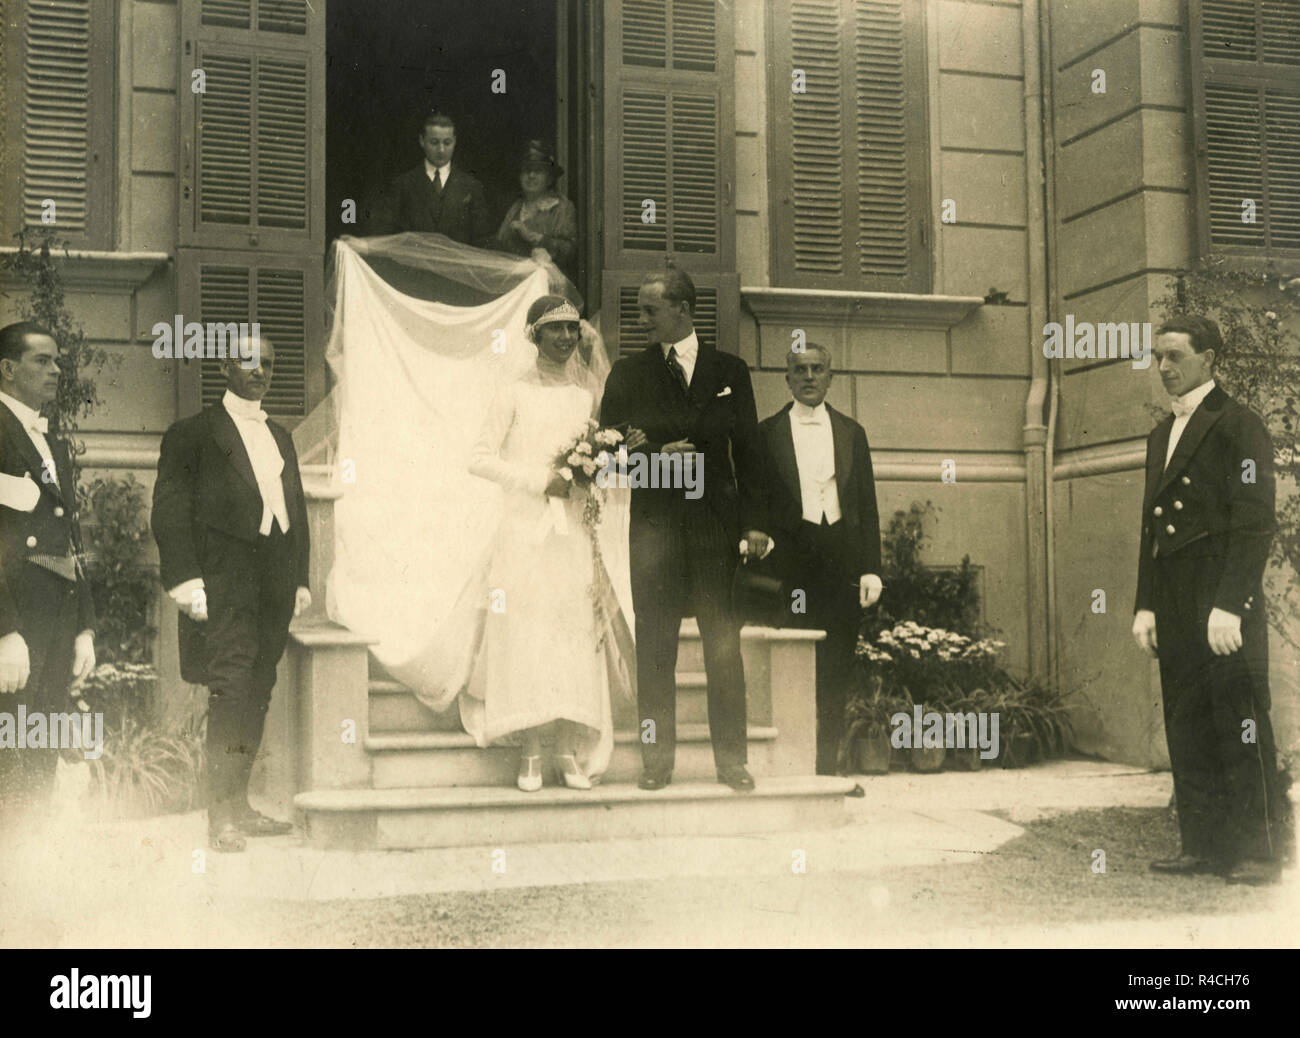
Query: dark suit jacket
[460,212]
[1200,509]
[51,528]
[205,483]
[854,481]
[717,416]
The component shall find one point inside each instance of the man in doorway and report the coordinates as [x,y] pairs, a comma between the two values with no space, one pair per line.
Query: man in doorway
[1207,524]
[437,196]
[47,618]
[230,520]
[826,527]
[695,404]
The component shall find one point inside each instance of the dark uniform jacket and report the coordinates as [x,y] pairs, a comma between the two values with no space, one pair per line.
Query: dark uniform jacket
[51,528]
[1214,502]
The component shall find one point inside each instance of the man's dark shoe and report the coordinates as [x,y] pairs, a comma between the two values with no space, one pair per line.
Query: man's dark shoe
[226,838]
[1184,865]
[254,823]
[1255,873]
[654,778]
[856,791]
[735,776]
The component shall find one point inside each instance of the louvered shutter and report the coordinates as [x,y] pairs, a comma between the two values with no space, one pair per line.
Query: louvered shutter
[282,293]
[670,122]
[1246,94]
[252,188]
[63,118]
[251,143]
[849,154]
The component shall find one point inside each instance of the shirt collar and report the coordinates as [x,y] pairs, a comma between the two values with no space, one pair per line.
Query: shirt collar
[686,349]
[21,411]
[1194,397]
[430,169]
[238,407]
[807,414]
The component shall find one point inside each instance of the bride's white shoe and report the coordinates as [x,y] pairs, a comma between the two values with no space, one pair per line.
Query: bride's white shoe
[570,773]
[530,773]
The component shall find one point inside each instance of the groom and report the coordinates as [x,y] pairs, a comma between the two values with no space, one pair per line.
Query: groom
[695,405]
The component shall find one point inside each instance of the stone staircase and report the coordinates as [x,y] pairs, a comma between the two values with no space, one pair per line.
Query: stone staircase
[362,764]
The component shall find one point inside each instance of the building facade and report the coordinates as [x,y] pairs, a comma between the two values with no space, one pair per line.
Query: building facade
[921,185]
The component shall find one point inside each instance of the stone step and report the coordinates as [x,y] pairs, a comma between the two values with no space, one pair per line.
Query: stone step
[361,819]
[444,759]
[394,708]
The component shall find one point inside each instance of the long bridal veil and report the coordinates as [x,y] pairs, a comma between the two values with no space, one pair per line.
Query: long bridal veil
[413,379]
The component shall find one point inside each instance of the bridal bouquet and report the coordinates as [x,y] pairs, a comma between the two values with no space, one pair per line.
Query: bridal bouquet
[588,453]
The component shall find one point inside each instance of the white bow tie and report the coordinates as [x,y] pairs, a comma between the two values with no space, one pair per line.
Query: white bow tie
[252,416]
[40,425]
[811,421]
[1181,408]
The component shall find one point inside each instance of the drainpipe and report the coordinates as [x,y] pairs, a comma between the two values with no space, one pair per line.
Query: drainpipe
[1037,435]
[1054,366]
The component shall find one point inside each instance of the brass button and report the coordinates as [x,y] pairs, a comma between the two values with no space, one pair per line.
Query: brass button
[1159,511]
[58,511]
[1186,482]
[31,542]
[1178,505]
[1247,605]
[1169,528]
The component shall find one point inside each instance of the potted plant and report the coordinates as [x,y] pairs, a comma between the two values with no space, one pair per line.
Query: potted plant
[868,725]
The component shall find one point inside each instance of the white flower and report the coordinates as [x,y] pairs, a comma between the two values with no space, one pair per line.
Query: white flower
[1271,315]
[574,458]
[588,466]
[583,448]
[602,459]
[566,473]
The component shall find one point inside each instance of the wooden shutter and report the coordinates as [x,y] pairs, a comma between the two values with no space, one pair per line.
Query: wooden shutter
[849,158]
[252,142]
[670,121]
[63,121]
[1246,97]
[252,229]
[282,293]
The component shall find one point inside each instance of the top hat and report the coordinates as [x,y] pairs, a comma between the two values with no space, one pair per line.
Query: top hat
[760,594]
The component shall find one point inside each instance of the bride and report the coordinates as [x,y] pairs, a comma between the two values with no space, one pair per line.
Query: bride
[545,638]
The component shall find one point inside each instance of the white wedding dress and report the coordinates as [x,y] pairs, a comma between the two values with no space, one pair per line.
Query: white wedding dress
[543,654]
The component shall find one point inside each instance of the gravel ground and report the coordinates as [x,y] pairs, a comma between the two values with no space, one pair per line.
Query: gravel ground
[1036,889]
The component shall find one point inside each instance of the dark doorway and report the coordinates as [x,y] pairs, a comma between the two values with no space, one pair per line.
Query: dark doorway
[390,62]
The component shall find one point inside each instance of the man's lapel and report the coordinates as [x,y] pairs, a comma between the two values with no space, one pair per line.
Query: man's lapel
[1156,457]
[1202,420]
[232,444]
[782,443]
[842,437]
[17,434]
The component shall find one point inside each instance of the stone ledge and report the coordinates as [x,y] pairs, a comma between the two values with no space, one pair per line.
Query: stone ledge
[97,271]
[400,742]
[315,634]
[876,309]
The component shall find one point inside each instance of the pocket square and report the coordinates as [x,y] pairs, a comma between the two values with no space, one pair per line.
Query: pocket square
[726,391]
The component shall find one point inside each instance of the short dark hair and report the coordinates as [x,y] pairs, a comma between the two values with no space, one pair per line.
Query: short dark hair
[1203,333]
[437,119]
[13,338]
[677,284]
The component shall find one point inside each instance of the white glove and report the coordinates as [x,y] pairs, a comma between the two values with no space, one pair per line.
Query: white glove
[301,601]
[869,588]
[15,666]
[1223,632]
[191,598]
[83,657]
[1144,631]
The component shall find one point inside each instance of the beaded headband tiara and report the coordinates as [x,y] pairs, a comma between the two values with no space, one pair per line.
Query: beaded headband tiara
[565,311]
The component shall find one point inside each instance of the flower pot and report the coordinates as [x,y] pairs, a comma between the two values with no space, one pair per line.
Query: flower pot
[871,753]
[927,760]
[1019,750]
[964,760]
